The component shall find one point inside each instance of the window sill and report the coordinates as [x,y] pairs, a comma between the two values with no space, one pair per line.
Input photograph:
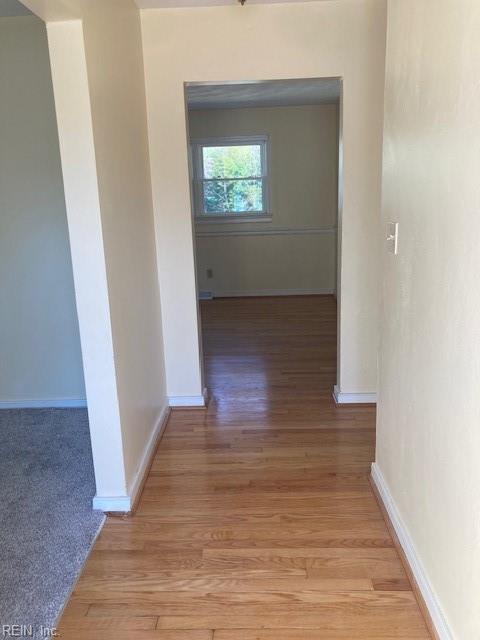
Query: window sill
[235,218]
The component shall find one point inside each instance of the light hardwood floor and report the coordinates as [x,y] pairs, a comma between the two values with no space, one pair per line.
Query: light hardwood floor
[257,521]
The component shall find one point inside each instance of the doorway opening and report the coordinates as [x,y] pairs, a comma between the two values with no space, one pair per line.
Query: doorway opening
[264,174]
[48,478]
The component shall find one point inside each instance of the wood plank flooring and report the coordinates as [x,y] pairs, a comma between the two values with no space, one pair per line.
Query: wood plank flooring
[257,521]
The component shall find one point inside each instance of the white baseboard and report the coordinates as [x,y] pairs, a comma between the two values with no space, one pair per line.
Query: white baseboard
[258,293]
[44,403]
[137,481]
[124,504]
[418,570]
[188,401]
[112,504]
[353,398]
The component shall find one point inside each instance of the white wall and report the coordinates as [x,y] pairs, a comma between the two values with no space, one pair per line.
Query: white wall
[428,442]
[40,356]
[303,167]
[344,38]
[72,103]
[98,78]
[117,93]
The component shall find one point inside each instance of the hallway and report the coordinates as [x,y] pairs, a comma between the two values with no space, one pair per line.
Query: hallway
[257,521]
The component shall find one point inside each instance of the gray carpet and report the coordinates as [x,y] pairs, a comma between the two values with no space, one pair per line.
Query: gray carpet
[46,520]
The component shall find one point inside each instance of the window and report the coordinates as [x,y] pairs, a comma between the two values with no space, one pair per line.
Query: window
[230,177]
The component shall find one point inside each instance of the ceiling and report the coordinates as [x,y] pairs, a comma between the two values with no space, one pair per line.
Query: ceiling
[9,8]
[162,4]
[271,93]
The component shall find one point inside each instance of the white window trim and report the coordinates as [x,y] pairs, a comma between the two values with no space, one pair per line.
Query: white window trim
[197,177]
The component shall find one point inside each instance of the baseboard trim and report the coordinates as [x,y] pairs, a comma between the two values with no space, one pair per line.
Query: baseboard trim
[136,487]
[427,599]
[45,403]
[260,293]
[126,505]
[353,398]
[112,504]
[188,401]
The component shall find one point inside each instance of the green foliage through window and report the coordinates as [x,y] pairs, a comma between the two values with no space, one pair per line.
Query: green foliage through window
[223,196]
[232,179]
[242,161]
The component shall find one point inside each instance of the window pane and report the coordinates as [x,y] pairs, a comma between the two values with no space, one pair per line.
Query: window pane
[240,161]
[232,196]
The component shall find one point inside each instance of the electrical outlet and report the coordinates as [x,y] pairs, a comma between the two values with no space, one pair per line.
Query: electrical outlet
[209,273]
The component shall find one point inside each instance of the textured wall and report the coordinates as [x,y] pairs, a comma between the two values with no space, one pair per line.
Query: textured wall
[428,443]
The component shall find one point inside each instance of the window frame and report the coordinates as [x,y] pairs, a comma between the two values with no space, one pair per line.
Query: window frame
[197,146]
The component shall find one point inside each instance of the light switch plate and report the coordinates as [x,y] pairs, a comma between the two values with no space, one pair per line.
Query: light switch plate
[392,237]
